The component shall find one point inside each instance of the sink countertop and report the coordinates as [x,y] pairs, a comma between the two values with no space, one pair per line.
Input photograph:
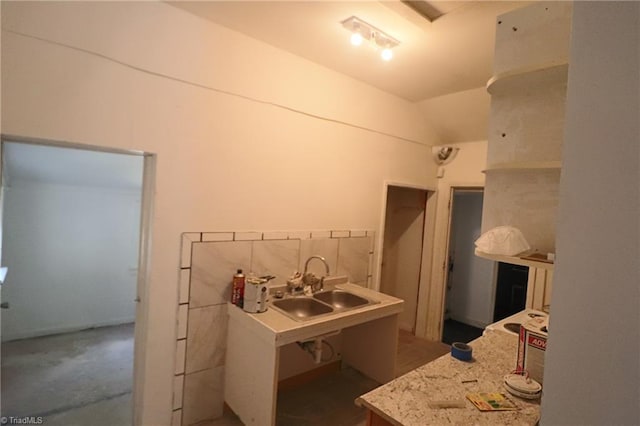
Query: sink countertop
[278,329]
[404,401]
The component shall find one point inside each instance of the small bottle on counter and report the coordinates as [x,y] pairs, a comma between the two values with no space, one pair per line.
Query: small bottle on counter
[237,291]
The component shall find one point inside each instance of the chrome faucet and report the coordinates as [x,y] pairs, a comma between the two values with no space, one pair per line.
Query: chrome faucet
[316,284]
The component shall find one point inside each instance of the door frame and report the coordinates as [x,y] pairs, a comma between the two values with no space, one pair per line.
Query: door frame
[427,248]
[144,251]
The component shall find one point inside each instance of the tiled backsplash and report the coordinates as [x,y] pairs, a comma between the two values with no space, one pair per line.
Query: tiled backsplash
[208,262]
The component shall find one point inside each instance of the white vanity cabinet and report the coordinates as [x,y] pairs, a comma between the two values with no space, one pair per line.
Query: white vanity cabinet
[369,344]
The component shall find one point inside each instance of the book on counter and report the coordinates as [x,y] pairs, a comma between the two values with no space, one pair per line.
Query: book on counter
[491,402]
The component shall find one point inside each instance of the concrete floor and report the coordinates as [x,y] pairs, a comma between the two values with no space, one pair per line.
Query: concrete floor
[82,378]
[85,379]
[330,399]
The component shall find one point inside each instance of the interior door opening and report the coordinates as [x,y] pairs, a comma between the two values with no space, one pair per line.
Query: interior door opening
[469,301]
[402,249]
[71,240]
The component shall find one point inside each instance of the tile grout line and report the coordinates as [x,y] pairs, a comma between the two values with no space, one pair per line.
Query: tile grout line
[260,236]
[186,339]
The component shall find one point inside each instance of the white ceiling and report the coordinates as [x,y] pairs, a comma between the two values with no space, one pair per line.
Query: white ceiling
[66,166]
[450,54]
[453,53]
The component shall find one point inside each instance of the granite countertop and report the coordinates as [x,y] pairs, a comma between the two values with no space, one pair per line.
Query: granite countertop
[405,400]
[278,329]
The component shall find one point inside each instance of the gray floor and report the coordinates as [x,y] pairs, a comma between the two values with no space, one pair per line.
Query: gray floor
[84,379]
[329,400]
[69,378]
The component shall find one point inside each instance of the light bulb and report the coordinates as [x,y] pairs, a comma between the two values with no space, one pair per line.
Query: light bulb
[386,54]
[356,39]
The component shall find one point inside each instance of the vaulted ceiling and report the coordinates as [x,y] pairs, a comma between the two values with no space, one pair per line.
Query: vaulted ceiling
[446,47]
[448,54]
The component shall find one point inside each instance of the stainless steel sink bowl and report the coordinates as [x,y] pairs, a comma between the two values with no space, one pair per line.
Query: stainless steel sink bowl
[302,308]
[341,299]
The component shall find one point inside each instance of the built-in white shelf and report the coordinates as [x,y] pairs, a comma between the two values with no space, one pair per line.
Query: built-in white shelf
[527,78]
[515,260]
[525,165]
[526,129]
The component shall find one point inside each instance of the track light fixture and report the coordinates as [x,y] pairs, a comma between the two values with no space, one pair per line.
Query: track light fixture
[360,31]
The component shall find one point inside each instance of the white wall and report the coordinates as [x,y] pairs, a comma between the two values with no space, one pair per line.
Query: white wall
[592,368]
[459,117]
[464,171]
[224,162]
[470,299]
[73,253]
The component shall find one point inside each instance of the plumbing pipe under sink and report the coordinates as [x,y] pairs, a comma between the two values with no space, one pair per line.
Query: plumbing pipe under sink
[314,346]
[317,350]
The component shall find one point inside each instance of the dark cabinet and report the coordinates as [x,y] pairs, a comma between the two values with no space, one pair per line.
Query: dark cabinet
[511,290]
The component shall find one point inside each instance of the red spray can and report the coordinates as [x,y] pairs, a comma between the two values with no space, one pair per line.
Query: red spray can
[237,292]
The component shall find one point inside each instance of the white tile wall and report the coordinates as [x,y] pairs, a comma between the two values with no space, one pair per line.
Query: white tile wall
[178,387]
[340,234]
[275,257]
[325,247]
[203,396]
[182,321]
[185,276]
[248,236]
[321,234]
[181,351]
[214,264]
[299,235]
[176,418]
[187,239]
[208,262]
[207,338]
[353,259]
[217,236]
[275,235]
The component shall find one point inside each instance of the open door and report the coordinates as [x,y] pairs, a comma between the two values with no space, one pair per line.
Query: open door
[470,279]
[402,250]
[77,233]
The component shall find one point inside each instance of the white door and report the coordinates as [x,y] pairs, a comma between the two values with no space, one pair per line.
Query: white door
[402,249]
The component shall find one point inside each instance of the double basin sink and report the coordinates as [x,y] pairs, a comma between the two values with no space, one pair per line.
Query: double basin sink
[303,308]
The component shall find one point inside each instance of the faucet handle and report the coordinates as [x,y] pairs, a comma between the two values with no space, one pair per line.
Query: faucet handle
[312,281]
[296,283]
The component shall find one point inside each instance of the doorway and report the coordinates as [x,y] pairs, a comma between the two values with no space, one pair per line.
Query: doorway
[469,279]
[71,222]
[402,249]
